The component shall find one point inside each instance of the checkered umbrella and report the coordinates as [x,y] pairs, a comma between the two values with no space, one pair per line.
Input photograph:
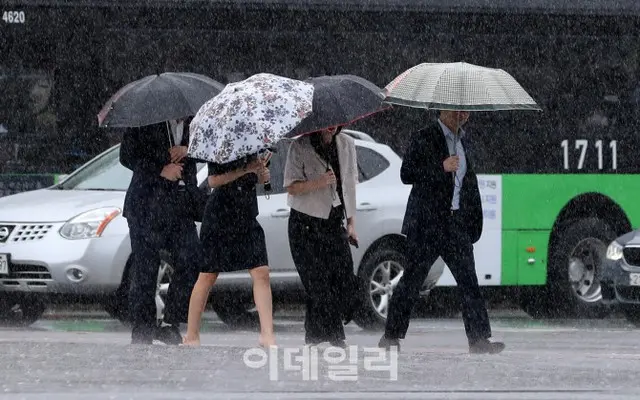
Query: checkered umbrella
[458,86]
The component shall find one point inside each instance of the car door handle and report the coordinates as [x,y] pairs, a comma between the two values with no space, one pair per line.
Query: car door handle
[280,213]
[366,207]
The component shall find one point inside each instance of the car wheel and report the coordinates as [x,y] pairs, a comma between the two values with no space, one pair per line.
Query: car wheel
[117,305]
[631,313]
[18,310]
[237,313]
[573,284]
[379,275]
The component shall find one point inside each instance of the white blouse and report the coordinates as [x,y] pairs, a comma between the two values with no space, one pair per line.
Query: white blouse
[303,163]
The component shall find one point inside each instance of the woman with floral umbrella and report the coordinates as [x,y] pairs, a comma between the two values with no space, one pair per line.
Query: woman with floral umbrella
[228,132]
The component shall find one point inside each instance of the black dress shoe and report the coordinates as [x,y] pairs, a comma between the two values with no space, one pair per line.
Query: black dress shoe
[168,335]
[387,343]
[484,346]
[313,341]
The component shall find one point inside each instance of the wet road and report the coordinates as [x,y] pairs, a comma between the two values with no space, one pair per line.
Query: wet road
[91,359]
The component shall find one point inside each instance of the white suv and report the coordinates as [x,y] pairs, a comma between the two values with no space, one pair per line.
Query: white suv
[71,239]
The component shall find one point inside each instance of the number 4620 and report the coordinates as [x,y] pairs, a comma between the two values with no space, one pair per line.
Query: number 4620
[13,17]
[582,145]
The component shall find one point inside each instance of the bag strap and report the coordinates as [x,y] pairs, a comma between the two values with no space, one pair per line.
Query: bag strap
[324,155]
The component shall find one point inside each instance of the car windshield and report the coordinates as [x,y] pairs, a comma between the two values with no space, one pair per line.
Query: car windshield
[102,173]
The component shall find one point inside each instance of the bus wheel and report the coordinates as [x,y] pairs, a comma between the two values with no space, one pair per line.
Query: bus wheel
[575,259]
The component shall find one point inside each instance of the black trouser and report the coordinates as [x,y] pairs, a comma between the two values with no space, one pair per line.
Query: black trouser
[452,243]
[322,257]
[179,236]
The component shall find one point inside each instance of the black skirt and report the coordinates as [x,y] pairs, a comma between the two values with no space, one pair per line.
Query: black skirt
[228,249]
[231,236]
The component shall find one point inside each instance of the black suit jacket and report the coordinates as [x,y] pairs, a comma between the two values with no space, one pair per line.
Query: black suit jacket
[150,197]
[429,203]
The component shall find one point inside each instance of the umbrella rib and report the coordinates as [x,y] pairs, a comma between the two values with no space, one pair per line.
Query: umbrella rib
[486,88]
[113,101]
[343,117]
[204,79]
[184,96]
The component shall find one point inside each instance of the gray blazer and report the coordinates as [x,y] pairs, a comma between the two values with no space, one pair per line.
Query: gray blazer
[303,163]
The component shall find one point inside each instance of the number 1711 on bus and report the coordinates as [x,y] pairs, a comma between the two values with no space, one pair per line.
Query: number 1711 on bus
[582,145]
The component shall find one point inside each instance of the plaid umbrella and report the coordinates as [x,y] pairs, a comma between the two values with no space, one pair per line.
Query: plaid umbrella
[248,116]
[458,86]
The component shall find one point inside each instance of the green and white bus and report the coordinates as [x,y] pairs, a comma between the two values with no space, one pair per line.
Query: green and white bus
[557,185]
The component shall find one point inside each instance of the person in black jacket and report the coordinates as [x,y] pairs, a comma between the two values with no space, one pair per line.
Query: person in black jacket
[443,218]
[161,207]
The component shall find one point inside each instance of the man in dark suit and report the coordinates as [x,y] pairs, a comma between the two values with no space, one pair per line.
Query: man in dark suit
[443,218]
[161,205]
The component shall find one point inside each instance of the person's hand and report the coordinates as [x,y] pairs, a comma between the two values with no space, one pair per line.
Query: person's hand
[328,178]
[451,164]
[178,153]
[254,167]
[264,175]
[351,232]
[172,172]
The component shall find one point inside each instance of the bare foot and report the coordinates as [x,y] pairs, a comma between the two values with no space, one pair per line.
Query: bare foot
[194,342]
[267,340]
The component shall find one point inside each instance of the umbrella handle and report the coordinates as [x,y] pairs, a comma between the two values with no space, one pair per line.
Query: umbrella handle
[333,194]
[169,135]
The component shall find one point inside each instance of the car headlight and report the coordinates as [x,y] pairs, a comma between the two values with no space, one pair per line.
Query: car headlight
[89,224]
[614,251]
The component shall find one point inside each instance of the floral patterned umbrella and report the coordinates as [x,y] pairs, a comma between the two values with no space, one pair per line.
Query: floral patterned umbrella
[248,116]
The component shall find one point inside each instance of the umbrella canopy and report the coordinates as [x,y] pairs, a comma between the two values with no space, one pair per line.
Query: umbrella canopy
[248,116]
[340,100]
[158,98]
[458,86]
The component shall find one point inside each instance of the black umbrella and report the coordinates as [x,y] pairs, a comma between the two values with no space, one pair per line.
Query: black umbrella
[158,98]
[340,100]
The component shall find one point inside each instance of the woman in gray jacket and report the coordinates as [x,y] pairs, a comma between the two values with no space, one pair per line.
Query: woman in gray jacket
[320,175]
